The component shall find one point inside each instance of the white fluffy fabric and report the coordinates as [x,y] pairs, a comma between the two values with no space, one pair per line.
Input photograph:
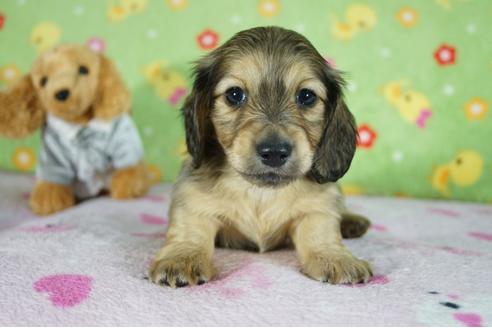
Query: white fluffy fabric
[87,266]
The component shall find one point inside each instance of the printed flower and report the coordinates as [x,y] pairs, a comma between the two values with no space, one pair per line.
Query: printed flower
[476,109]
[2,20]
[96,44]
[24,158]
[407,17]
[208,39]
[176,5]
[9,74]
[445,55]
[365,136]
[268,8]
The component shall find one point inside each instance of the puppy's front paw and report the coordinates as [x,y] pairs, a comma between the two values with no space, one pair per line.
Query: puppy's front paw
[48,198]
[180,270]
[337,268]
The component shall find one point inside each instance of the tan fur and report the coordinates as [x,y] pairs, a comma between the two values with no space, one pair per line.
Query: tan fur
[130,182]
[100,94]
[21,112]
[112,97]
[224,117]
[48,198]
[226,196]
[241,215]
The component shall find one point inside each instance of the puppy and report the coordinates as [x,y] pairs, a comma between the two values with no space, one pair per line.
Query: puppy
[268,133]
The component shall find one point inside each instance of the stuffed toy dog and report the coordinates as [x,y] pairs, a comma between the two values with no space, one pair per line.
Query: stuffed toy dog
[89,140]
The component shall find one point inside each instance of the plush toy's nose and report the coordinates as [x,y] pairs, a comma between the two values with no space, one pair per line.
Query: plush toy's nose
[62,94]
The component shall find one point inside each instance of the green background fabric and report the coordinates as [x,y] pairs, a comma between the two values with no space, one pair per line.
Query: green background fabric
[439,54]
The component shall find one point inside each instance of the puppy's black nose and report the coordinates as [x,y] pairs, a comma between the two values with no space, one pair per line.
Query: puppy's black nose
[274,154]
[62,94]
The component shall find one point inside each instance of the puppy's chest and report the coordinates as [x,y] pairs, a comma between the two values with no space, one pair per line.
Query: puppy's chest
[261,218]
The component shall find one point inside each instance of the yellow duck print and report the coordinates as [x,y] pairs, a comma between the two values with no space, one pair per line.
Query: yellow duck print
[413,105]
[168,84]
[358,18]
[44,36]
[176,5]
[464,170]
[120,10]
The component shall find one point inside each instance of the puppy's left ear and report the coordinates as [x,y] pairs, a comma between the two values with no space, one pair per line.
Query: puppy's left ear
[112,97]
[336,148]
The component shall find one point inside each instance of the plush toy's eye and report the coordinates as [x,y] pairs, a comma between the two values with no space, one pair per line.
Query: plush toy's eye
[43,81]
[235,96]
[83,70]
[306,98]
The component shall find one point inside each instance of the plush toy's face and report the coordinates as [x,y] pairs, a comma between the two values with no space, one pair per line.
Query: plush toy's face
[66,80]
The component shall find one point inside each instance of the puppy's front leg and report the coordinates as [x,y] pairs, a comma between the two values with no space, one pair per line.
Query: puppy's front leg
[322,255]
[186,258]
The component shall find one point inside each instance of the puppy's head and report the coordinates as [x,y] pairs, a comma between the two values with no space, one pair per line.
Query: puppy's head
[269,104]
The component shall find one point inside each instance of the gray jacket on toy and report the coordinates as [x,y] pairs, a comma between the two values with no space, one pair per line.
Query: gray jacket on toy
[85,155]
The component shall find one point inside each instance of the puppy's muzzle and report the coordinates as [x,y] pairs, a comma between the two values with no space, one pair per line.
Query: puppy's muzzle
[274,152]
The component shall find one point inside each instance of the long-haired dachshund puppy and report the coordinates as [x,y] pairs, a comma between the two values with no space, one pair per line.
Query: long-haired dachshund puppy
[268,133]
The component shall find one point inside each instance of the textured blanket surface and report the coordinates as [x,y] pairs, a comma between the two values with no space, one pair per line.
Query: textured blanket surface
[87,266]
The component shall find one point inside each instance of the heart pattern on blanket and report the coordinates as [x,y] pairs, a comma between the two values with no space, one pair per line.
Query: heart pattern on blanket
[481,235]
[225,286]
[376,280]
[48,228]
[469,319]
[65,290]
[152,219]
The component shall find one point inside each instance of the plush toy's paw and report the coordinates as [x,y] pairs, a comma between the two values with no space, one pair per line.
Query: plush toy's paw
[180,269]
[130,182]
[48,198]
[353,225]
[339,267]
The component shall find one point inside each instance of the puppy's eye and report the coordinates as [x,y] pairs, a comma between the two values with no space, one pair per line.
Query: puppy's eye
[306,98]
[43,81]
[83,70]
[235,96]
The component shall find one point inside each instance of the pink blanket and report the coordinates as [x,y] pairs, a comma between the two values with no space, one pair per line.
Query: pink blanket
[87,266]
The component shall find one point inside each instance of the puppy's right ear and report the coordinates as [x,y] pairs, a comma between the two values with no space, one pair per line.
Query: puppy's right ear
[197,107]
[21,111]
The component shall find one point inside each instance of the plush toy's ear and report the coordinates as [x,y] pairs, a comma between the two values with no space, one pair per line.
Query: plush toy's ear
[21,111]
[196,110]
[336,147]
[112,96]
